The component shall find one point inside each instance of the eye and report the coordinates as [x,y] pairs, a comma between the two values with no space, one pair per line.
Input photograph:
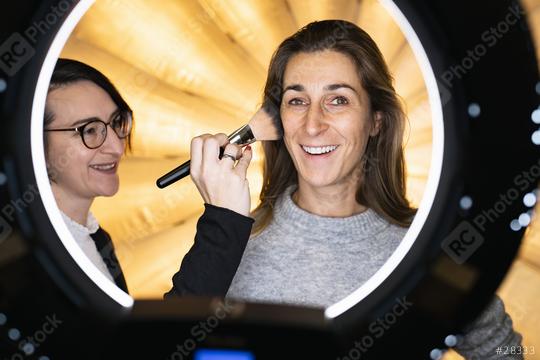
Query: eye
[339,100]
[117,122]
[90,130]
[296,101]
[93,128]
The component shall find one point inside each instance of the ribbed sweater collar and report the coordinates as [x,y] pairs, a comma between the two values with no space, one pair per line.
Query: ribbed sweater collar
[293,220]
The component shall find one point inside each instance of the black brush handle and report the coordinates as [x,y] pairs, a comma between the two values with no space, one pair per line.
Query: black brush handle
[174,175]
[178,173]
[242,136]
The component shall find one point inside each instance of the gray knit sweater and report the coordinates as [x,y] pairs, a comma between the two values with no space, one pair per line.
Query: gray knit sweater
[311,260]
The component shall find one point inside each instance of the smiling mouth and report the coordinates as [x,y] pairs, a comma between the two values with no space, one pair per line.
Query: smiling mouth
[319,150]
[111,167]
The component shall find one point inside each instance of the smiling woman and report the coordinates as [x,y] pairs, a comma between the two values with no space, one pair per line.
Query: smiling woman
[83,156]
[333,205]
[328,122]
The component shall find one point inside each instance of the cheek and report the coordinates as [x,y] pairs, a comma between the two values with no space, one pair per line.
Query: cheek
[355,125]
[290,122]
[288,134]
[68,162]
[58,156]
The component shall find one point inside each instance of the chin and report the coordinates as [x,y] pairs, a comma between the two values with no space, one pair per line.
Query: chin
[318,180]
[109,193]
[108,190]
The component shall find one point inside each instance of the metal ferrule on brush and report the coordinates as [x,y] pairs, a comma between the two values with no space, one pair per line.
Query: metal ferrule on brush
[242,136]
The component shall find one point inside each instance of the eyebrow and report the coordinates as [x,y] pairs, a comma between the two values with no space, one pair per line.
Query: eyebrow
[84,121]
[94,118]
[331,87]
[295,87]
[337,86]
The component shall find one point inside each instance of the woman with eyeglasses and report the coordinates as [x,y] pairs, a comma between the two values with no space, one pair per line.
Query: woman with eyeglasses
[87,127]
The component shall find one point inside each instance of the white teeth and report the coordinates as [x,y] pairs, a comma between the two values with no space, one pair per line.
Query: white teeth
[319,150]
[103,167]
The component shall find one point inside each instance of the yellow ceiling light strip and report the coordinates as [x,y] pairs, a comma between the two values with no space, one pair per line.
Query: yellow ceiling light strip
[177,42]
[166,117]
[257,26]
[306,11]
[376,21]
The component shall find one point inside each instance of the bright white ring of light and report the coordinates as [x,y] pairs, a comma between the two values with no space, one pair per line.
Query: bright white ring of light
[38,160]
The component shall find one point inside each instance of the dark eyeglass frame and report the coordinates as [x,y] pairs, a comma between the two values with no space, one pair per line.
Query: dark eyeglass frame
[80,129]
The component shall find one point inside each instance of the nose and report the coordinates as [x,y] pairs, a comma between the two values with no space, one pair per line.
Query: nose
[315,122]
[113,144]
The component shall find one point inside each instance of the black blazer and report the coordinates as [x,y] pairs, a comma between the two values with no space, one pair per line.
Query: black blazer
[106,250]
[210,265]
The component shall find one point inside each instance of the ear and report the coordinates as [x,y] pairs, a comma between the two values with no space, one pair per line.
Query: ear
[377,121]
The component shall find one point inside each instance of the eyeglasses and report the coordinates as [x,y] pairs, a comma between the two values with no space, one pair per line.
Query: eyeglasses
[94,133]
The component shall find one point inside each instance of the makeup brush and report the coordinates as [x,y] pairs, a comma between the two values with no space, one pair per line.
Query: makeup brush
[262,126]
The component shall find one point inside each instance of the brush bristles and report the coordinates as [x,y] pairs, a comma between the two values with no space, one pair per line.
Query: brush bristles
[265,127]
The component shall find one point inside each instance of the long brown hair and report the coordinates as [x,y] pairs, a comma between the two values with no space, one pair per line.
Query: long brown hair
[383,184]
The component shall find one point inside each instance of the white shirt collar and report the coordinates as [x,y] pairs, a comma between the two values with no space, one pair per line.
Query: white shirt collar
[81,234]
[79,230]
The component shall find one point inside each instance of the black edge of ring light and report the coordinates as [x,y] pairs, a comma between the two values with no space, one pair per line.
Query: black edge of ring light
[483,155]
[33,223]
[481,159]
[39,281]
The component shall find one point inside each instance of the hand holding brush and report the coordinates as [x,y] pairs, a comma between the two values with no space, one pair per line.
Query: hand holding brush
[262,126]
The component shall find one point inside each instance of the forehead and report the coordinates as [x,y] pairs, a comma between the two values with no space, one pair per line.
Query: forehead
[79,100]
[324,67]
